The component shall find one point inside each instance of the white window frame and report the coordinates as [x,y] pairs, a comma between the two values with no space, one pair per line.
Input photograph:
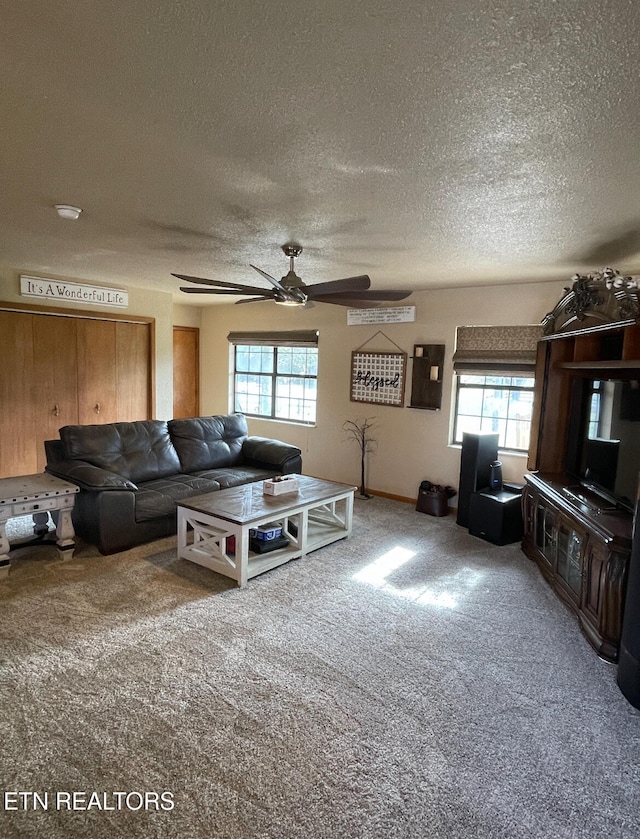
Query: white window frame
[274,383]
[488,421]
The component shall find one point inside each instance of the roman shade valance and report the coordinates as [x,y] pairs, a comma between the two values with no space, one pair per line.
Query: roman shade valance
[296,338]
[490,349]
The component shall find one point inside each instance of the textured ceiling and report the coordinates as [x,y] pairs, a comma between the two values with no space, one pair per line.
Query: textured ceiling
[428,144]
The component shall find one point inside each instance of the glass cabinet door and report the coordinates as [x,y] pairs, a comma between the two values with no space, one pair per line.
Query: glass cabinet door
[545,532]
[569,559]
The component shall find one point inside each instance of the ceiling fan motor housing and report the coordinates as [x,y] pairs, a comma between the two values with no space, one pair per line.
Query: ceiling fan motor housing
[292,249]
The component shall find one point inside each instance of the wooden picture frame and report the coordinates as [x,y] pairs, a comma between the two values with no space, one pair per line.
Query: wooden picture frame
[378,377]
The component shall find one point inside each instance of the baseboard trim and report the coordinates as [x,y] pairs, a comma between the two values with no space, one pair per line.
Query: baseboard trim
[393,497]
[403,498]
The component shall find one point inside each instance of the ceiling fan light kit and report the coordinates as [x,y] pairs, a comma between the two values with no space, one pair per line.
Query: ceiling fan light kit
[292,292]
[68,211]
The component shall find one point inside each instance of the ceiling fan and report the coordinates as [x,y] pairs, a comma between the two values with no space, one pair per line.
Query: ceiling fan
[291,291]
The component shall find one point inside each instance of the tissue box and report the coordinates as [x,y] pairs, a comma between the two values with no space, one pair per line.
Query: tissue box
[266,532]
[287,483]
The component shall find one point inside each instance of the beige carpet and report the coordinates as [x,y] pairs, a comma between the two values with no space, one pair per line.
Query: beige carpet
[412,681]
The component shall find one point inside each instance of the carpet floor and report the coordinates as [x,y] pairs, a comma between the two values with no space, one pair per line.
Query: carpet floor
[411,681]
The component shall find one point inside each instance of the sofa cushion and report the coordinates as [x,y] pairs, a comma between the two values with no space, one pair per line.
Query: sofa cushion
[236,476]
[138,451]
[208,442]
[158,498]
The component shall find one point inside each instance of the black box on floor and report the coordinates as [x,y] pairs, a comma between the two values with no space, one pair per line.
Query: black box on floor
[265,546]
[496,516]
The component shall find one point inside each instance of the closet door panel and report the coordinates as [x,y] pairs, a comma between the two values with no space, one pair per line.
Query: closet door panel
[133,364]
[55,378]
[18,450]
[186,371]
[97,380]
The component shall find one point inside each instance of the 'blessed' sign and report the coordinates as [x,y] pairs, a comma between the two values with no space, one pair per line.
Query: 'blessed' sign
[378,377]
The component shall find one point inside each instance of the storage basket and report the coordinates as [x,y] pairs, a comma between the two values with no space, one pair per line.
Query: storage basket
[282,486]
[434,499]
[433,503]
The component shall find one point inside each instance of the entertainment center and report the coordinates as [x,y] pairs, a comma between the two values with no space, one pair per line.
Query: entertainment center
[585,452]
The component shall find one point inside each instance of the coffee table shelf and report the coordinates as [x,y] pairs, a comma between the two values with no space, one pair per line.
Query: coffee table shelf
[321,512]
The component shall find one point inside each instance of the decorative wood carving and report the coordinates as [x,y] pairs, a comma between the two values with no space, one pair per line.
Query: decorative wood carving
[599,299]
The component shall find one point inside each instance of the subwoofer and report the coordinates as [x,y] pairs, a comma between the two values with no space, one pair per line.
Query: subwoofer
[629,653]
[479,451]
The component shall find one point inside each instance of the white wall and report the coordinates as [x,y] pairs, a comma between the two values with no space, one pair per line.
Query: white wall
[412,443]
[187,316]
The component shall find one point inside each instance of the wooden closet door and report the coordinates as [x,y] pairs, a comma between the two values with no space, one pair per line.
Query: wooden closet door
[55,360]
[18,450]
[97,378]
[186,371]
[133,371]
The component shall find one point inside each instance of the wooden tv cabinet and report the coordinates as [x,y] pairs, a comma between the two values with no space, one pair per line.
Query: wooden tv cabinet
[582,547]
[581,543]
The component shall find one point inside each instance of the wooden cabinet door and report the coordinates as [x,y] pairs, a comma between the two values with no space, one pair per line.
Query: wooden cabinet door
[569,558]
[55,378]
[133,371]
[97,377]
[186,372]
[18,451]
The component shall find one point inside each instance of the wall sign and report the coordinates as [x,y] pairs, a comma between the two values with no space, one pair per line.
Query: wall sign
[389,314]
[378,377]
[73,292]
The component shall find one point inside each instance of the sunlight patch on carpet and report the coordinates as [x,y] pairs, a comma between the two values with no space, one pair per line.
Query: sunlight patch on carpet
[376,574]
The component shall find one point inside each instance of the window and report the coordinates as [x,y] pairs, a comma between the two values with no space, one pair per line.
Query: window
[275,375]
[495,403]
[495,367]
[595,398]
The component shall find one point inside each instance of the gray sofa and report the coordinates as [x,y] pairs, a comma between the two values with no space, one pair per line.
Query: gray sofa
[131,474]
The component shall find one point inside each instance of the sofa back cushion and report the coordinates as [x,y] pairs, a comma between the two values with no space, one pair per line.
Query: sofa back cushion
[209,442]
[138,451]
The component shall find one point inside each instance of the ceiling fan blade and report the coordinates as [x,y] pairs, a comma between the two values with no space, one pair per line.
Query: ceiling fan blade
[219,283]
[376,295]
[351,302]
[255,300]
[232,291]
[271,279]
[360,283]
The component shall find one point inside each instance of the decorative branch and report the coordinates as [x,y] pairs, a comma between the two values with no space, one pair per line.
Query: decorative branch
[360,432]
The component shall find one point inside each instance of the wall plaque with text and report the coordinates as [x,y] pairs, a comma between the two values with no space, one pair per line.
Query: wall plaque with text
[61,290]
[378,377]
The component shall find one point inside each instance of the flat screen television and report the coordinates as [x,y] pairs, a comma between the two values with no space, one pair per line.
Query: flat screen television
[604,449]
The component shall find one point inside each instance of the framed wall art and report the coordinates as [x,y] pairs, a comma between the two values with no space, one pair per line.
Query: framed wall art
[378,377]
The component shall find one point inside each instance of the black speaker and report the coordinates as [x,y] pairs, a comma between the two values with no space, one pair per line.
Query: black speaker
[629,654]
[496,516]
[495,476]
[479,451]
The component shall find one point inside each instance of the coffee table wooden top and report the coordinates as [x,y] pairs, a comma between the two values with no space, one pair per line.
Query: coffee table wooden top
[247,503]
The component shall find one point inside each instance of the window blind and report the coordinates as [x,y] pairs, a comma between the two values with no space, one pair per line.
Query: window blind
[299,338]
[490,349]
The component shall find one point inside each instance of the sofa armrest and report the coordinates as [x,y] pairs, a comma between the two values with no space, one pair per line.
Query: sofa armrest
[87,476]
[266,453]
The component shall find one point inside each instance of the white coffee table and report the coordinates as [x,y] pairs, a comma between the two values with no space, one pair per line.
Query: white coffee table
[213,529]
[37,495]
